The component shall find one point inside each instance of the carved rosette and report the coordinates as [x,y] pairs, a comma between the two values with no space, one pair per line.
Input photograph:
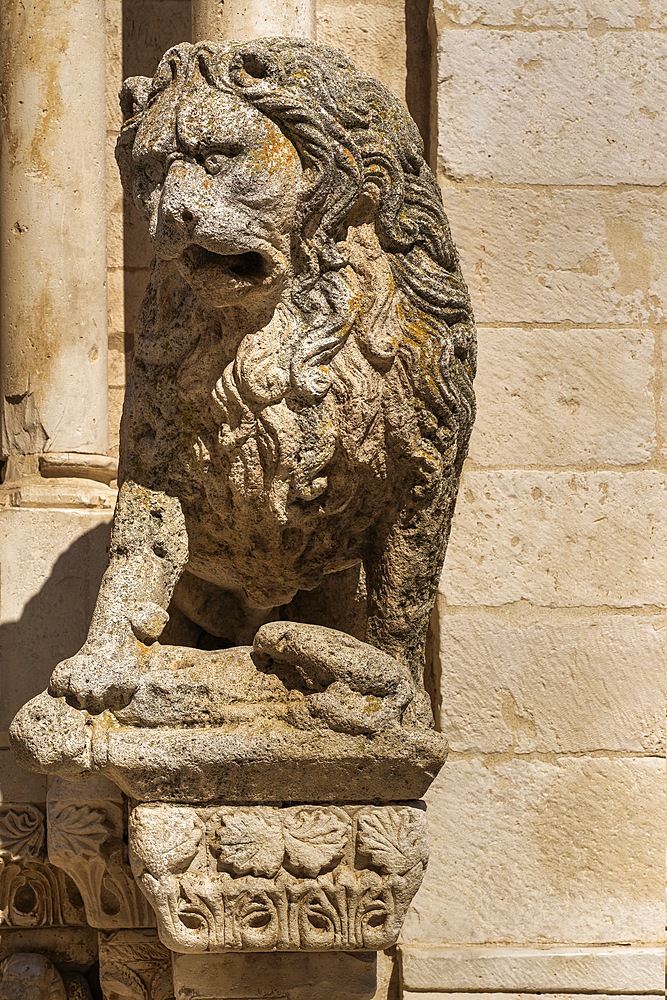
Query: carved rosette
[263,878]
[32,892]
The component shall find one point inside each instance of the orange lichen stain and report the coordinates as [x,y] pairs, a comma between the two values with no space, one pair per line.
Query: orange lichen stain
[33,44]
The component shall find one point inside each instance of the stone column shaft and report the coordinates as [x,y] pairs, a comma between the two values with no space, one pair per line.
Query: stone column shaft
[53,328]
[220,20]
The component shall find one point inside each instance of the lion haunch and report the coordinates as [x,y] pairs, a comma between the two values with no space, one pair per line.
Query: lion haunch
[301,397]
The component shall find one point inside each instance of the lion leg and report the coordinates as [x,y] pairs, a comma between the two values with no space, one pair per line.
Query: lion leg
[403,570]
[149,548]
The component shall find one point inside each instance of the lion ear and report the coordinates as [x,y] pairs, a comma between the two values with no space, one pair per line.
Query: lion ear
[133,96]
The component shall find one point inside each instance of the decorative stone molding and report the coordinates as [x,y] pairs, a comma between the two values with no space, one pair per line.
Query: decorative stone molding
[301,878]
[86,839]
[32,892]
[134,965]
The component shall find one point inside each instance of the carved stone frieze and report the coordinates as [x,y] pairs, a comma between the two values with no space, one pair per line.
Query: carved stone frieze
[86,839]
[134,965]
[301,878]
[32,892]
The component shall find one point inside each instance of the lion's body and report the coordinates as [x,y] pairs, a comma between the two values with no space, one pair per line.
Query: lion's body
[301,400]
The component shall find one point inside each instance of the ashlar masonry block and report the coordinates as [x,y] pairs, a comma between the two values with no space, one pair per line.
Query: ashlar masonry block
[559,539]
[596,16]
[552,107]
[578,841]
[564,397]
[544,255]
[553,682]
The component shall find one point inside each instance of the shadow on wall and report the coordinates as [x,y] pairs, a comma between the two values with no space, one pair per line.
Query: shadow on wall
[54,623]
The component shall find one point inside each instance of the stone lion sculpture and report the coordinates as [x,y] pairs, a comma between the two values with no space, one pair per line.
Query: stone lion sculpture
[301,396]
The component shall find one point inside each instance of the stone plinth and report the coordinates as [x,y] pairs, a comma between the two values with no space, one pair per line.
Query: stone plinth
[301,976]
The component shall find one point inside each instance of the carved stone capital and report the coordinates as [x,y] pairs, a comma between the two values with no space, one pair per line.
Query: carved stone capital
[86,840]
[32,892]
[134,965]
[297,878]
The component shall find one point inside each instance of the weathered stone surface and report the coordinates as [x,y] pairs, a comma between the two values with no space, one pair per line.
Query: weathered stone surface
[301,878]
[18,785]
[511,103]
[235,762]
[562,970]
[86,837]
[69,946]
[26,976]
[662,403]
[296,976]
[553,683]
[371,33]
[230,278]
[32,893]
[134,965]
[559,538]
[577,256]
[53,376]
[597,16]
[578,855]
[542,399]
[471,995]
[322,343]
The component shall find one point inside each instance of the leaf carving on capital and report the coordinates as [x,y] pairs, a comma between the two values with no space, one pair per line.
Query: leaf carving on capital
[78,831]
[121,983]
[134,965]
[315,839]
[280,878]
[391,840]
[21,833]
[249,844]
[87,842]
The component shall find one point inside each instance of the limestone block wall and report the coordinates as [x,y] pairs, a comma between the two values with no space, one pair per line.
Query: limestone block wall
[547,825]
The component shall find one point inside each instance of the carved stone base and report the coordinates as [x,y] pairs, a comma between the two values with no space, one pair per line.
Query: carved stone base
[263,878]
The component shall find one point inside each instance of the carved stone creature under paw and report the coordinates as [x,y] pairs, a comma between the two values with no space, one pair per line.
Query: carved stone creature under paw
[299,407]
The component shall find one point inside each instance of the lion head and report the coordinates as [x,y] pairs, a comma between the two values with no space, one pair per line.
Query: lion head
[281,182]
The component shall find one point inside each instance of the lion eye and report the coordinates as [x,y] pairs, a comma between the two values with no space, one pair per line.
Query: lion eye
[214,162]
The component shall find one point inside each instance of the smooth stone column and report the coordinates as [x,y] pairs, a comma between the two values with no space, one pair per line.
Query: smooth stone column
[222,20]
[53,307]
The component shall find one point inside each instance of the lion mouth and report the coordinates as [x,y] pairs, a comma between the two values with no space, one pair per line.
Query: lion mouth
[250,266]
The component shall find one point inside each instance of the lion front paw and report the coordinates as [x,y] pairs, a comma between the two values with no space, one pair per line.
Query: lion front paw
[96,680]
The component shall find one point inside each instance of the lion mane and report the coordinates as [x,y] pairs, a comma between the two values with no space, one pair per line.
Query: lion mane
[354,140]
